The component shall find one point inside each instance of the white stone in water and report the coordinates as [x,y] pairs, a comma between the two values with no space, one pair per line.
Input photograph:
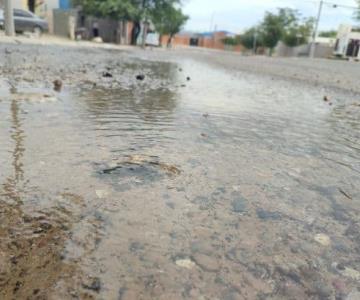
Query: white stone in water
[322,239]
[185,263]
[101,193]
[34,97]
[351,273]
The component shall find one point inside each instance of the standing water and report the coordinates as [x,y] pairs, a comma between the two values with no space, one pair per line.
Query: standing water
[226,186]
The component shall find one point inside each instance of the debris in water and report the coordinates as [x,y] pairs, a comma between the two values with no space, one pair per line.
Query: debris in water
[326,98]
[188,78]
[185,263]
[206,115]
[95,285]
[57,85]
[145,162]
[345,194]
[322,239]
[107,75]
[34,97]
[204,135]
[140,77]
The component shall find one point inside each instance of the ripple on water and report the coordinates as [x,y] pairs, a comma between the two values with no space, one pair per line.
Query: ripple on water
[246,164]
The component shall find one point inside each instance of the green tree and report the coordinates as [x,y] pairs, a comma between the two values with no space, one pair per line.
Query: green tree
[247,39]
[167,19]
[328,34]
[357,12]
[115,9]
[232,41]
[138,11]
[298,34]
[274,26]
[129,10]
[285,25]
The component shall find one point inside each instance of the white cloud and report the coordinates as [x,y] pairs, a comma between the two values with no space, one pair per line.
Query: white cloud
[235,15]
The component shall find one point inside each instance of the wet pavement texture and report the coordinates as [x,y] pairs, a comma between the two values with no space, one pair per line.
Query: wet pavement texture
[229,185]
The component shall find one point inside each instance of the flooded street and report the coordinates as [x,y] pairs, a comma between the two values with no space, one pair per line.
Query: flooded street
[224,185]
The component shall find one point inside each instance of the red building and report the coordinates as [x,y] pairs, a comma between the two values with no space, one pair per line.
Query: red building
[210,40]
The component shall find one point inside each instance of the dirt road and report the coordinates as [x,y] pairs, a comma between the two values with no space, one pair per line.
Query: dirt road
[177,175]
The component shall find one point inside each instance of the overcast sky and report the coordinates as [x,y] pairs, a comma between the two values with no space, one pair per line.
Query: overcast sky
[237,15]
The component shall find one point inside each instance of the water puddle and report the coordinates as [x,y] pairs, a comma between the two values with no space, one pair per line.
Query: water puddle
[228,186]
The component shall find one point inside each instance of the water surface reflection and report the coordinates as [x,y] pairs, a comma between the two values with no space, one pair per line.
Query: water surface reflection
[230,186]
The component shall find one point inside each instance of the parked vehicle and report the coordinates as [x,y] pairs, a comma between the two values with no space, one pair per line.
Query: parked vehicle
[26,21]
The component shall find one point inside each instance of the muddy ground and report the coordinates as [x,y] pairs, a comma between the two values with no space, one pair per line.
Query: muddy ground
[177,175]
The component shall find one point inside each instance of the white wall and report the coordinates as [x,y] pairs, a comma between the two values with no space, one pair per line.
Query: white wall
[18,4]
[345,34]
[49,5]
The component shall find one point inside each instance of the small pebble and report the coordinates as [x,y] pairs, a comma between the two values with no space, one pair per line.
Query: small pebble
[185,263]
[101,193]
[107,75]
[239,205]
[94,286]
[322,239]
[57,85]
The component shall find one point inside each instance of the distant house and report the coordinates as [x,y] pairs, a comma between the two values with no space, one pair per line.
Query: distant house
[210,40]
[347,42]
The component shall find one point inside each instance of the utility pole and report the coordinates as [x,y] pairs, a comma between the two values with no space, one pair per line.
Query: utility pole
[9,19]
[212,22]
[315,34]
[145,23]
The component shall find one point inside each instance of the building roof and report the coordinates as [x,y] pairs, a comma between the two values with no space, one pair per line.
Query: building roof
[211,33]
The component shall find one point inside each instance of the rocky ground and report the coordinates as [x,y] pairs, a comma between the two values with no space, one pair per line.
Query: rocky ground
[47,62]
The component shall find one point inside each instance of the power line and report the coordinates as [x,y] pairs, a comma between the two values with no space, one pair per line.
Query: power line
[335,5]
[315,34]
[312,47]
